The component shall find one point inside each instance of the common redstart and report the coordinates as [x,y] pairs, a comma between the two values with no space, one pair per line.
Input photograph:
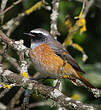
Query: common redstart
[51,59]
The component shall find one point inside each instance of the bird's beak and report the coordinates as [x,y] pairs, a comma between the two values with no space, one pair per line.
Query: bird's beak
[31,36]
[28,34]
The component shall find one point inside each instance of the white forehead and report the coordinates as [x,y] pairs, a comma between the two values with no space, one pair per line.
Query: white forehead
[38,31]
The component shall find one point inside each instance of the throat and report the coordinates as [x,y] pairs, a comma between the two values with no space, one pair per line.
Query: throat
[34,45]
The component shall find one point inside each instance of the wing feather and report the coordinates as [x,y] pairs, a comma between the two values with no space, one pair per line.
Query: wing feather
[64,54]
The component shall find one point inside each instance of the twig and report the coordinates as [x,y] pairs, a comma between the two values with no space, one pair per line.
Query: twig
[9,76]
[44,103]
[15,99]
[3,5]
[12,61]
[46,5]
[95,3]
[61,108]
[88,5]
[11,25]
[23,65]
[18,45]
[2,106]
[54,16]
[4,92]
[9,8]
[79,24]
[28,93]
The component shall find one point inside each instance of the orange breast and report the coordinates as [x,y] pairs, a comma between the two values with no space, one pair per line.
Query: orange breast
[46,61]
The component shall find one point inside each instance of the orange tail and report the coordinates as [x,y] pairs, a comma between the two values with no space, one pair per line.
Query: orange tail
[88,84]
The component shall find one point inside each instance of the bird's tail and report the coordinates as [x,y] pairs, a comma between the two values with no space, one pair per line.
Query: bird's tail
[88,84]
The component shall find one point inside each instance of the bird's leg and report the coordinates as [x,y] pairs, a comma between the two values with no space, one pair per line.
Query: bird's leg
[36,76]
[49,77]
[62,72]
[57,84]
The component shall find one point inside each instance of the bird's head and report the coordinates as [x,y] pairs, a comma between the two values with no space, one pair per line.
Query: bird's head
[39,36]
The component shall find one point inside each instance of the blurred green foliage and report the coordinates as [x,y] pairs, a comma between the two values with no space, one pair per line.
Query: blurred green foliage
[90,41]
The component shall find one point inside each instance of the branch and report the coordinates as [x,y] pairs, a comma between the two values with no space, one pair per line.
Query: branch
[11,25]
[15,99]
[3,5]
[54,16]
[4,92]
[12,61]
[37,104]
[87,7]
[18,45]
[2,106]
[46,91]
[9,8]
[46,5]
[79,24]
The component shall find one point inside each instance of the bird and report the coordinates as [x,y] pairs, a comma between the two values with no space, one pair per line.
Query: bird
[51,59]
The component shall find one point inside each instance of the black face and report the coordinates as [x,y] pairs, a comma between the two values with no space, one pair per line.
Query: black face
[40,35]
[37,37]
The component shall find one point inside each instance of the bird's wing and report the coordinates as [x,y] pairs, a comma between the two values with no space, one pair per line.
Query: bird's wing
[71,61]
[64,54]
